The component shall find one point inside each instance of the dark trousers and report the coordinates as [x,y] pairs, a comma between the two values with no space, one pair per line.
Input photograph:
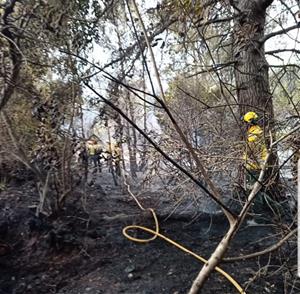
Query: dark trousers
[95,160]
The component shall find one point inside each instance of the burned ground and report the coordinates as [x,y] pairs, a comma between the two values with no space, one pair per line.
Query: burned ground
[84,251]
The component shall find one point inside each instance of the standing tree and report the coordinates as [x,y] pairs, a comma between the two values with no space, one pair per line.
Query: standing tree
[251,67]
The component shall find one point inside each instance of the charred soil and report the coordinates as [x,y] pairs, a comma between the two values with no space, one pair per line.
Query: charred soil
[84,251]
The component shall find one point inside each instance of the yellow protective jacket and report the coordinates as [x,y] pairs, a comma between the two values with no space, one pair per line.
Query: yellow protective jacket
[114,151]
[93,149]
[256,150]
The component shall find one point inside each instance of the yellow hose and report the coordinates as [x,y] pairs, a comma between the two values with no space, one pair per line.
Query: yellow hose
[157,234]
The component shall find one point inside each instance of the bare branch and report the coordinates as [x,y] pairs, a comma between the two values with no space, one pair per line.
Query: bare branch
[222,247]
[282,50]
[131,48]
[288,8]
[283,31]
[285,65]
[212,68]
[263,252]
[285,136]
[195,98]
[214,21]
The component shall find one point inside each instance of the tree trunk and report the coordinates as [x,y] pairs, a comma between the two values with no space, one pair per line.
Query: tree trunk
[143,160]
[251,74]
[251,67]
[132,160]
[134,165]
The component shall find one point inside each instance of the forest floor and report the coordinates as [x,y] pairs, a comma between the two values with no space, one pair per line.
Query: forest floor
[84,251]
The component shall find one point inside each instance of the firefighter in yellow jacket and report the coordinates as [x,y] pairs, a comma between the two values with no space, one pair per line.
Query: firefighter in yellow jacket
[94,152]
[256,151]
[114,151]
[255,156]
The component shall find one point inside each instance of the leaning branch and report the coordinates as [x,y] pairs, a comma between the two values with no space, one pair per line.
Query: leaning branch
[223,246]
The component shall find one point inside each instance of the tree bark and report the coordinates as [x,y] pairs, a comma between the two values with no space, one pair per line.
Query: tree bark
[251,67]
[252,77]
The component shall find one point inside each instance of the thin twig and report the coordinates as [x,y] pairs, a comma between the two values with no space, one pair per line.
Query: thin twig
[263,252]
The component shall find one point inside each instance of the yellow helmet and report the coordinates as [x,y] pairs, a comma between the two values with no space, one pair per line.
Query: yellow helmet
[250,116]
